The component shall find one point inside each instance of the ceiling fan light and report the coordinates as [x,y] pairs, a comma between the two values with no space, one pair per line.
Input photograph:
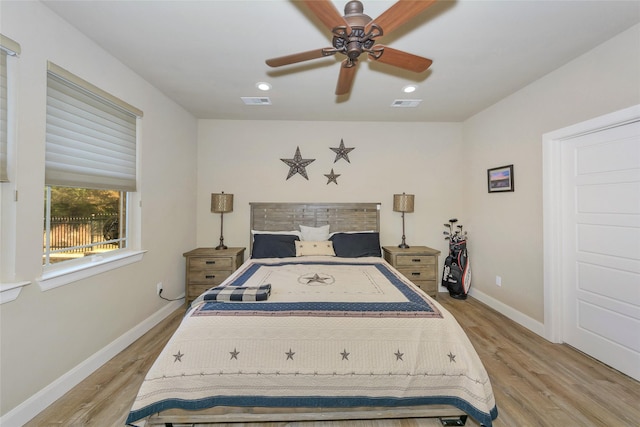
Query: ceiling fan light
[263,86]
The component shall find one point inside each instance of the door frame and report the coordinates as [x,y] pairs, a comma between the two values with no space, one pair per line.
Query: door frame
[552,215]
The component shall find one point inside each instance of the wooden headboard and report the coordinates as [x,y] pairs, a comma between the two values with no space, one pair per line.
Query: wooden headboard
[340,216]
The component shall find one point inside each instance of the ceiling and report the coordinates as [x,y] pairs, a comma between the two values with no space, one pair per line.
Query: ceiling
[206,55]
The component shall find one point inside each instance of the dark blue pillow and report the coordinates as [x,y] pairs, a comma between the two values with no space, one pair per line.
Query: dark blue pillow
[355,245]
[273,245]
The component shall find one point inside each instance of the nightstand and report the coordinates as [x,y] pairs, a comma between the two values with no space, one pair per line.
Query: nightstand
[417,263]
[208,267]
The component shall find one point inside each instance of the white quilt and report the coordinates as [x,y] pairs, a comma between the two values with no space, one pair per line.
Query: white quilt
[335,332]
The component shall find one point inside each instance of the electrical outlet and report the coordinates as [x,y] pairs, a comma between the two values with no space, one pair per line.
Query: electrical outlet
[159,288]
[498,281]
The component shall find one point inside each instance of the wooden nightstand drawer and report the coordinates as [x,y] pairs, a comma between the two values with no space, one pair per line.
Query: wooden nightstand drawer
[430,287]
[414,274]
[208,277]
[415,260]
[196,264]
[196,290]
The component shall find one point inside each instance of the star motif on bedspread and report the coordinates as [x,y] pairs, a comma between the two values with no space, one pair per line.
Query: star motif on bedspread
[290,354]
[345,354]
[316,278]
[234,354]
[332,177]
[178,357]
[342,152]
[298,164]
[399,355]
[452,357]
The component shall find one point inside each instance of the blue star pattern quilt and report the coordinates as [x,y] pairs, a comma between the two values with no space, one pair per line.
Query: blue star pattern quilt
[333,333]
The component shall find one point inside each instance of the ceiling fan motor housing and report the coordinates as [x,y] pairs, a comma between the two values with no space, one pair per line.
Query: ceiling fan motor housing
[353,44]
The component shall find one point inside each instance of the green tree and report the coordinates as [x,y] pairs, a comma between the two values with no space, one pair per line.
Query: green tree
[83,202]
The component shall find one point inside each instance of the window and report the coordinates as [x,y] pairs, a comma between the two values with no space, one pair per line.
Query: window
[7,48]
[3,116]
[10,286]
[90,170]
[83,221]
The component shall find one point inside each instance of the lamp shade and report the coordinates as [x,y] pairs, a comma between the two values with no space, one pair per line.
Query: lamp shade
[403,202]
[221,202]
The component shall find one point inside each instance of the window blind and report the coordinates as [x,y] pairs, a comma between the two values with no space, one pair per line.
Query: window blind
[90,135]
[3,116]
[7,47]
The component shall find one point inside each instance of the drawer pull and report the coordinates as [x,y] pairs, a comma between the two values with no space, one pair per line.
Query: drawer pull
[209,262]
[210,276]
[416,260]
[415,274]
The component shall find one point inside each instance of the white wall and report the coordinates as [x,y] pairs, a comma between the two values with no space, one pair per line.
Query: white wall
[46,334]
[506,229]
[243,158]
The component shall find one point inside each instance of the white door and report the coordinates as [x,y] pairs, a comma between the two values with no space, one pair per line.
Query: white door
[601,245]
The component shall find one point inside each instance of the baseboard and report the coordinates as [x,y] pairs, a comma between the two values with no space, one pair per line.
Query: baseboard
[31,407]
[513,314]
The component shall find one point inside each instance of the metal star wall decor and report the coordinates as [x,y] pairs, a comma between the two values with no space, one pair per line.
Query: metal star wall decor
[298,164]
[332,177]
[342,152]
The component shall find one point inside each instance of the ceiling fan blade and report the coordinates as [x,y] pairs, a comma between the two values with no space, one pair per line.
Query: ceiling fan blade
[404,60]
[326,11]
[398,14]
[299,57]
[347,74]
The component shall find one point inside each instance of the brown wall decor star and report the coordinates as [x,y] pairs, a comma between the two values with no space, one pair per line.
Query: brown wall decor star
[298,164]
[332,177]
[342,152]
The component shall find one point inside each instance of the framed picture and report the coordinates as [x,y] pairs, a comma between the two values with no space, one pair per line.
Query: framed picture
[500,179]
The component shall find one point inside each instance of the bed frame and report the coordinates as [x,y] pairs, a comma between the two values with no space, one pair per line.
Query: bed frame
[288,216]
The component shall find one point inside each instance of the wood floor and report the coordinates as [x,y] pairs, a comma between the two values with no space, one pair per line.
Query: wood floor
[536,383]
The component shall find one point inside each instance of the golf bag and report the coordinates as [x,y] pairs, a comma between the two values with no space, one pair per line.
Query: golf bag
[456,275]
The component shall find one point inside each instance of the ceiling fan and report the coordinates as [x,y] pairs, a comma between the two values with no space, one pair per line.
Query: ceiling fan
[356,33]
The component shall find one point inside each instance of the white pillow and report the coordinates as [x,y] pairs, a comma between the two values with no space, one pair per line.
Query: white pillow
[315,234]
[307,248]
[294,232]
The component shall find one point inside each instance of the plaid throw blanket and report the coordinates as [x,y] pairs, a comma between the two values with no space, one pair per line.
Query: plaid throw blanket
[238,293]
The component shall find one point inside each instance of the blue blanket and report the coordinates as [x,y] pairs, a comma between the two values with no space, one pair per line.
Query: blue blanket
[238,293]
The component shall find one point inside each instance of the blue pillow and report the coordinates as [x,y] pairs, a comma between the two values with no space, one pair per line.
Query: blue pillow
[355,245]
[274,245]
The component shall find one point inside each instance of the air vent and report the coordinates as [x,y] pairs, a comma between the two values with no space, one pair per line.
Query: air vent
[256,100]
[406,103]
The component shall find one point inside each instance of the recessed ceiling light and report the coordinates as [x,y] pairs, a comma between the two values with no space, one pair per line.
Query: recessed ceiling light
[263,86]
[409,89]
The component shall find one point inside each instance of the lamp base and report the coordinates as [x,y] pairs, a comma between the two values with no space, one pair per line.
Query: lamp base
[404,246]
[221,245]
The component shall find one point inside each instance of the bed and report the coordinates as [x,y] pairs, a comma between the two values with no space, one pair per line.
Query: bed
[315,325]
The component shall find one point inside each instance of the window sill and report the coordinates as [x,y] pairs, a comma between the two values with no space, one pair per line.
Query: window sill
[10,291]
[97,264]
